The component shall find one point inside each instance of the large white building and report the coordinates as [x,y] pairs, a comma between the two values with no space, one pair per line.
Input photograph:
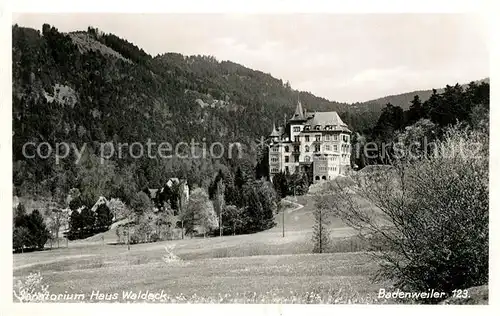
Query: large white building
[317,143]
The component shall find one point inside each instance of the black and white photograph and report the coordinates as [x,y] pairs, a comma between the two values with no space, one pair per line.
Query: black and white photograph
[250,158]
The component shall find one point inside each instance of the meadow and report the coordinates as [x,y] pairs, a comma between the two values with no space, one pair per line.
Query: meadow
[263,267]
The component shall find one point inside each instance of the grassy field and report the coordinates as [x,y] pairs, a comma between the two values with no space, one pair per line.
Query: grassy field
[272,266]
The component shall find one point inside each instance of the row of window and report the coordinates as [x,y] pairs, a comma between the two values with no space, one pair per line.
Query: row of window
[327,137]
[317,148]
[296,158]
[316,127]
[325,169]
[324,158]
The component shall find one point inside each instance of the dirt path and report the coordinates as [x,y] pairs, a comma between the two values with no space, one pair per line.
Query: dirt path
[298,206]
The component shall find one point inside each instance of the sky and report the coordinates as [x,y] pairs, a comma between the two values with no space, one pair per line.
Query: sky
[341,57]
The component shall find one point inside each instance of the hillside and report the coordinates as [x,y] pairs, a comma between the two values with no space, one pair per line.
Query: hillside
[88,88]
[403,100]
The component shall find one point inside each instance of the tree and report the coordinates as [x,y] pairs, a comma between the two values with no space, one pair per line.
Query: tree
[96,177]
[200,215]
[37,230]
[104,218]
[321,234]
[20,215]
[75,225]
[219,203]
[417,140]
[118,209]
[88,221]
[141,203]
[233,218]
[239,178]
[145,226]
[280,183]
[29,230]
[416,111]
[21,238]
[427,219]
[260,205]
[56,218]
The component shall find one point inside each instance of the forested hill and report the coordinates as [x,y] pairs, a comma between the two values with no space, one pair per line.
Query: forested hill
[91,87]
[404,99]
[108,75]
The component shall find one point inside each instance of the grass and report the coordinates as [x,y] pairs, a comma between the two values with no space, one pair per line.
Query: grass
[262,267]
[278,274]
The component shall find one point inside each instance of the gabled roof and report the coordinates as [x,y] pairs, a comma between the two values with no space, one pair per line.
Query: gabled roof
[326,118]
[153,192]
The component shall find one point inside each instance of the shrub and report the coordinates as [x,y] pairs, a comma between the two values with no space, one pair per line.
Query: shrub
[154,237]
[29,231]
[31,289]
[135,238]
[427,219]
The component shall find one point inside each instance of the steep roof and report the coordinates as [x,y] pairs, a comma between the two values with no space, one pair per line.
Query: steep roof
[275,132]
[299,114]
[326,118]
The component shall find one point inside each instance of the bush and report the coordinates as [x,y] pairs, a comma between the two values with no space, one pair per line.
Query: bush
[135,238]
[154,237]
[31,289]
[29,231]
[426,219]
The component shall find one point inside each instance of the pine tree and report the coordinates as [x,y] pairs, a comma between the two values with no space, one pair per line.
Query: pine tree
[104,218]
[321,235]
[239,179]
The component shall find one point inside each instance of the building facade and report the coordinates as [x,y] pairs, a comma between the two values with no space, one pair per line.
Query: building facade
[316,143]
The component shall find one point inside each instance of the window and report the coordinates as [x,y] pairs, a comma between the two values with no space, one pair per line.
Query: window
[287,158]
[318,138]
[287,149]
[274,170]
[317,127]
[307,148]
[335,137]
[335,148]
[327,137]
[275,149]
[296,168]
[296,159]
[307,127]
[296,149]
[327,147]
[307,138]
[296,128]
[297,139]
[274,159]
[287,169]
[307,158]
[316,148]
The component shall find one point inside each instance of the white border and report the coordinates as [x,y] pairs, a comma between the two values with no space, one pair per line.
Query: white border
[485,8]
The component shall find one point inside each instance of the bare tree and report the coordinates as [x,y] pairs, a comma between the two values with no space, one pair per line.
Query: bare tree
[426,219]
